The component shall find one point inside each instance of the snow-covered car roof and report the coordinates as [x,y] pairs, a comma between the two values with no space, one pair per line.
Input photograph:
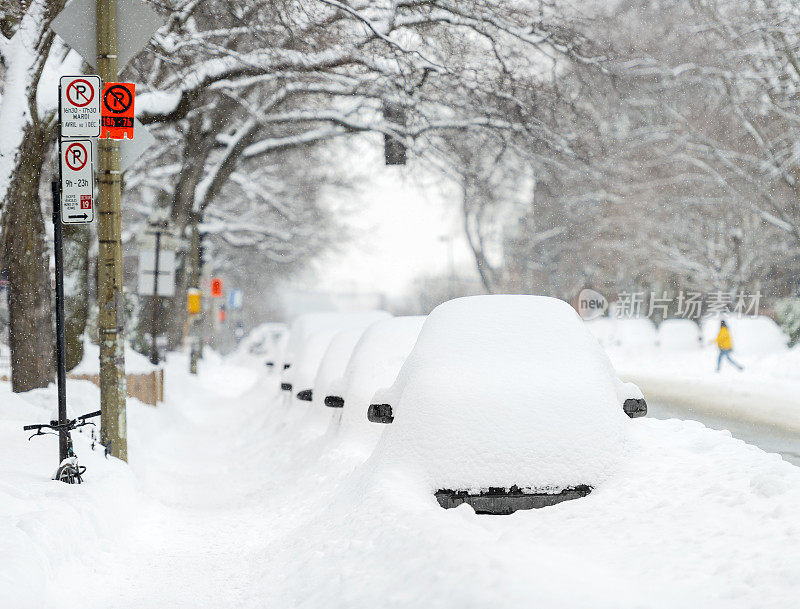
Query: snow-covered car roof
[303,371]
[374,365]
[308,353]
[505,390]
[305,325]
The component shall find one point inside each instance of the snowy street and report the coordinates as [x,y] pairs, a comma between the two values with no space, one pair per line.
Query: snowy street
[231,501]
[774,439]
[367,304]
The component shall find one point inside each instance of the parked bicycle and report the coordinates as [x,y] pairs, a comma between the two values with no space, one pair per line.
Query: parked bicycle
[69,470]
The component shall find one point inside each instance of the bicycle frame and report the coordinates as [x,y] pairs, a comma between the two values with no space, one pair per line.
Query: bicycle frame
[69,470]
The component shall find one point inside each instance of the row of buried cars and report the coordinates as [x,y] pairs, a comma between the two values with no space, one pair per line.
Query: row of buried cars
[501,402]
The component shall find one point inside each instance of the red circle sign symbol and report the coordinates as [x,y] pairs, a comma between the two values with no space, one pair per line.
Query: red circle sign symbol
[80,93]
[76,156]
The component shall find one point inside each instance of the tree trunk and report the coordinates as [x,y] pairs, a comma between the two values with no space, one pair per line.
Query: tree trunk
[31,331]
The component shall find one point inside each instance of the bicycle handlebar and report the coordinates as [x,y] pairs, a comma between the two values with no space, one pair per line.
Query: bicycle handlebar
[68,425]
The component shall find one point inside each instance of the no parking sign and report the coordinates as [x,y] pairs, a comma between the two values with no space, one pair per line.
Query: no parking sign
[118,98]
[80,106]
[77,182]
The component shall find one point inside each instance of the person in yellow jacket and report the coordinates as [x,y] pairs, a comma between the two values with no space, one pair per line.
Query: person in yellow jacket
[725,345]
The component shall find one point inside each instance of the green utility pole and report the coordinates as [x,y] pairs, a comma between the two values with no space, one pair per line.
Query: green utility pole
[111,317]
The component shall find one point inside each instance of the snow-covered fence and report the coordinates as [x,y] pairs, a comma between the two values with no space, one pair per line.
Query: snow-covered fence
[147,387]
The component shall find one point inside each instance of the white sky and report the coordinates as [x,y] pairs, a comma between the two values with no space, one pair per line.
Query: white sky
[403,213]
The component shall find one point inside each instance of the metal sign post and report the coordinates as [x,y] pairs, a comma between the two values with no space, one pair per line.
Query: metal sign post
[71,192]
[61,349]
[90,28]
[156,275]
[156,303]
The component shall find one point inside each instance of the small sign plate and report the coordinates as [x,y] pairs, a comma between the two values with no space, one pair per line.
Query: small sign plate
[80,106]
[77,182]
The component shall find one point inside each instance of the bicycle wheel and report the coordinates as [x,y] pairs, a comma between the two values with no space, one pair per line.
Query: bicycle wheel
[67,473]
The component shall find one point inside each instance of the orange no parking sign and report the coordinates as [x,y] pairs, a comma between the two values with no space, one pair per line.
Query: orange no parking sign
[117,110]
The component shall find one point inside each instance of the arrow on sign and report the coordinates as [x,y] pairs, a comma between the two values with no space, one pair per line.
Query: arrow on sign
[82,216]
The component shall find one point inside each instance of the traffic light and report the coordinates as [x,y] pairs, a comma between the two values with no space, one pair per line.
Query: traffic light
[394,151]
[201,248]
[216,287]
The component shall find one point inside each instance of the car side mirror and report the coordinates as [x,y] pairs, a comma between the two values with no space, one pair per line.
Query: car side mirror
[334,401]
[270,364]
[286,386]
[635,408]
[380,413]
[287,366]
[304,395]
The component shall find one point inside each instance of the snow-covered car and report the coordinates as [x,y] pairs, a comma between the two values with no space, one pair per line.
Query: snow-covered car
[329,377]
[265,341]
[299,378]
[505,403]
[374,364]
[304,326]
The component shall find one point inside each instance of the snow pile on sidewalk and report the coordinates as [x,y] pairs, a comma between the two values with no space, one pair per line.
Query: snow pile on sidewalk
[135,363]
[680,367]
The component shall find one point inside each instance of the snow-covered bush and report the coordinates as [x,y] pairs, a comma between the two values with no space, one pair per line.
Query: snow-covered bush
[679,335]
[788,313]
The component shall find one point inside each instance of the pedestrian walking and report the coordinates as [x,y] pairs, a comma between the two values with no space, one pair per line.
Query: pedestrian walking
[725,345]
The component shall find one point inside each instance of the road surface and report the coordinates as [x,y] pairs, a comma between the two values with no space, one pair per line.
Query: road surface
[771,439]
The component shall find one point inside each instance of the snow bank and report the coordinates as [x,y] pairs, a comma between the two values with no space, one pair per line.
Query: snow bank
[681,371]
[34,541]
[135,363]
[614,332]
[752,335]
[374,365]
[502,391]
[635,332]
[679,335]
[693,518]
